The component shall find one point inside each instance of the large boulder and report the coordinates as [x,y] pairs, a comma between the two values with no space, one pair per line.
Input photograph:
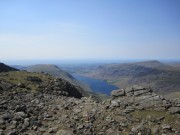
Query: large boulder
[174,110]
[118,93]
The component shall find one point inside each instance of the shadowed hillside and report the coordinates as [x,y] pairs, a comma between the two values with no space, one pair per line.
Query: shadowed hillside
[5,68]
[57,72]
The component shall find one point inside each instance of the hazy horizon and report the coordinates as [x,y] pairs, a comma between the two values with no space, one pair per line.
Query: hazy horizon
[94,30]
[61,62]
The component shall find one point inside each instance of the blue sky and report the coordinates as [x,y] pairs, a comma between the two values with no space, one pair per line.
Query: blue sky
[89,29]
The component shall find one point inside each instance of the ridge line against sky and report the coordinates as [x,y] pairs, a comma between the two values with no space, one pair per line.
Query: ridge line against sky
[94,29]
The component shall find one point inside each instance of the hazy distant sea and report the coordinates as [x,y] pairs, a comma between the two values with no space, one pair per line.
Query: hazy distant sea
[66,62]
[62,62]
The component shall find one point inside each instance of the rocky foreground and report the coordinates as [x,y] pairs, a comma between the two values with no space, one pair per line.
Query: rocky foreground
[35,104]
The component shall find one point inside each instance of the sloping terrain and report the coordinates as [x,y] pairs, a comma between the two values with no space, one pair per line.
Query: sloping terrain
[22,81]
[39,104]
[163,78]
[56,72]
[52,70]
[5,68]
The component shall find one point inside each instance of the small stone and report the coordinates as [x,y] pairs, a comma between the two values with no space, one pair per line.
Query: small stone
[2,121]
[80,127]
[6,116]
[20,114]
[52,130]
[166,127]
[64,132]
[26,123]
[128,109]
[114,104]
[76,110]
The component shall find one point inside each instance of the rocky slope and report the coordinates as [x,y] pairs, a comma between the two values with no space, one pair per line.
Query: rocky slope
[39,104]
[56,72]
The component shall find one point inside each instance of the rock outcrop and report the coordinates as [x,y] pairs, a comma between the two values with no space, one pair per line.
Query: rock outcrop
[43,105]
[141,98]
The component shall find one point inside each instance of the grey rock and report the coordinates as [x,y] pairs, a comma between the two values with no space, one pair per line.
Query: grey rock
[80,127]
[26,123]
[123,124]
[129,90]
[174,110]
[176,102]
[64,132]
[166,127]
[52,130]
[20,114]
[135,129]
[114,104]
[76,110]
[137,87]
[3,102]
[118,93]
[35,123]
[166,104]
[2,121]
[128,109]
[6,116]
[141,92]
[14,123]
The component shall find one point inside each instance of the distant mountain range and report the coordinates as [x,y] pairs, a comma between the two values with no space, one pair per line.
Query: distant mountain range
[162,77]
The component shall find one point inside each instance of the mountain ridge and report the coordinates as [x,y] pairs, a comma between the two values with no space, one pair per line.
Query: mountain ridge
[6,68]
[162,77]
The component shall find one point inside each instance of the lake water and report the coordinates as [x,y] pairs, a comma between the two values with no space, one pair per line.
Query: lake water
[96,85]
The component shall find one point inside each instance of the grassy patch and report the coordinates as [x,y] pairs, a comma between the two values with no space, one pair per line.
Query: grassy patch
[168,118]
[16,77]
